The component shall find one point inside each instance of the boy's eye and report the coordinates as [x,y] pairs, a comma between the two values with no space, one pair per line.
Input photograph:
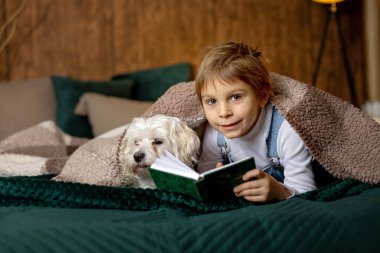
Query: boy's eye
[157,142]
[235,97]
[210,101]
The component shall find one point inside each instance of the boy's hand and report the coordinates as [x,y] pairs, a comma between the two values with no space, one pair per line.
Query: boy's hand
[261,187]
[219,164]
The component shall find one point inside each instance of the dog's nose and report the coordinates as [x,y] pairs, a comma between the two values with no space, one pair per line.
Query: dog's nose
[138,156]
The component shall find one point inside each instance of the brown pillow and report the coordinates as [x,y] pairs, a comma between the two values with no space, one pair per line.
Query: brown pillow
[108,112]
[25,103]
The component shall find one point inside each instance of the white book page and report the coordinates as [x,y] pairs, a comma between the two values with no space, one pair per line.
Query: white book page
[223,167]
[170,164]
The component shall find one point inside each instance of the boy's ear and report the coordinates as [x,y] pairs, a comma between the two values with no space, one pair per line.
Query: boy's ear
[264,100]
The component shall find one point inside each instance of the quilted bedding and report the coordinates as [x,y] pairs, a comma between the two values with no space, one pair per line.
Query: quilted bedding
[41,215]
[38,214]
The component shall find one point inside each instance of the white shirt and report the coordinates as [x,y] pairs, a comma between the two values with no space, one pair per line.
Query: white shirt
[294,156]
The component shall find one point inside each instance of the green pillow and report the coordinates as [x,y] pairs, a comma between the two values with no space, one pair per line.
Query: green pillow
[68,91]
[152,83]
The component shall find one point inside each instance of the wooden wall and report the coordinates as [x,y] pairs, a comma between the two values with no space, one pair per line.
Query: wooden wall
[95,39]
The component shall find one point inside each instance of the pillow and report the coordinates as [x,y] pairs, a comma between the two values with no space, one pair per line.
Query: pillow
[68,91]
[152,83]
[25,103]
[107,112]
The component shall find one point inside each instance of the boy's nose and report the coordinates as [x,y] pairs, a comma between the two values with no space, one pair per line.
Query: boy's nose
[224,110]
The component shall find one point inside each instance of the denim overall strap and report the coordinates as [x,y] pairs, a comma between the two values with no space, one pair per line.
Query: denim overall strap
[224,148]
[274,167]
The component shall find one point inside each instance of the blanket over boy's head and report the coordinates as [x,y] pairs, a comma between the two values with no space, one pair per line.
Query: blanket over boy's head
[341,137]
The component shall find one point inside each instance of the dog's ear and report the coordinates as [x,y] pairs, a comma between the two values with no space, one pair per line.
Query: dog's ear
[136,120]
[121,148]
[185,142]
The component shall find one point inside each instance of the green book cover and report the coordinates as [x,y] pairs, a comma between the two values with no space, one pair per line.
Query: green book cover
[170,174]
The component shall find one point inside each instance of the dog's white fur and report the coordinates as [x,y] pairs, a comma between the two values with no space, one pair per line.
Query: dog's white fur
[147,138]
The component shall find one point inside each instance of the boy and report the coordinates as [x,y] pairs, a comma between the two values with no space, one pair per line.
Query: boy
[233,87]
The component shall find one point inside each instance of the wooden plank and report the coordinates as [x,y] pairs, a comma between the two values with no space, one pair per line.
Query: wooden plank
[152,33]
[4,73]
[271,27]
[95,39]
[63,38]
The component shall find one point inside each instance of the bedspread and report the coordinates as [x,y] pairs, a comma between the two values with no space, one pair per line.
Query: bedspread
[41,215]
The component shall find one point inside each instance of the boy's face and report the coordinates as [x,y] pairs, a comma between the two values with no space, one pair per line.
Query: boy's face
[231,108]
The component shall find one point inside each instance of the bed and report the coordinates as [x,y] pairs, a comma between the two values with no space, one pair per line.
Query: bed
[38,214]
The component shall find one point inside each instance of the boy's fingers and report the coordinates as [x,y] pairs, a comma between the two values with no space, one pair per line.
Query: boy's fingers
[219,164]
[258,198]
[252,174]
[243,188]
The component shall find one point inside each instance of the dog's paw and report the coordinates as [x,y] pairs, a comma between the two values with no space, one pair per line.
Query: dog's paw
[131,181]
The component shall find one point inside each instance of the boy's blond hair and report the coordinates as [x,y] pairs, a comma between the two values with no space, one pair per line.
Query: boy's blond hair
[233,61]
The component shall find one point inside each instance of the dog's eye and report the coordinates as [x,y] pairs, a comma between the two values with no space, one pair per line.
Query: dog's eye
[137,143]
[157,142]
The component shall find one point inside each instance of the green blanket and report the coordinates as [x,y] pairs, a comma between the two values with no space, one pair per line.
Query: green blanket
[40,191]
[40,215]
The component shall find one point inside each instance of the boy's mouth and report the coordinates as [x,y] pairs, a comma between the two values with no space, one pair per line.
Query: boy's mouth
[229,125]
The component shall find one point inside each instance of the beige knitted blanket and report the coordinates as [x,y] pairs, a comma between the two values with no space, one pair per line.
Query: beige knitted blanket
[341,137]
[38,150]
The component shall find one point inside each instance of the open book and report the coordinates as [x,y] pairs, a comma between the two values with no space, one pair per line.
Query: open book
[171,174]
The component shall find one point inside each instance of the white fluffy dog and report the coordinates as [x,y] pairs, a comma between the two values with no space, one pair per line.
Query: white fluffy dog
[147,138]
